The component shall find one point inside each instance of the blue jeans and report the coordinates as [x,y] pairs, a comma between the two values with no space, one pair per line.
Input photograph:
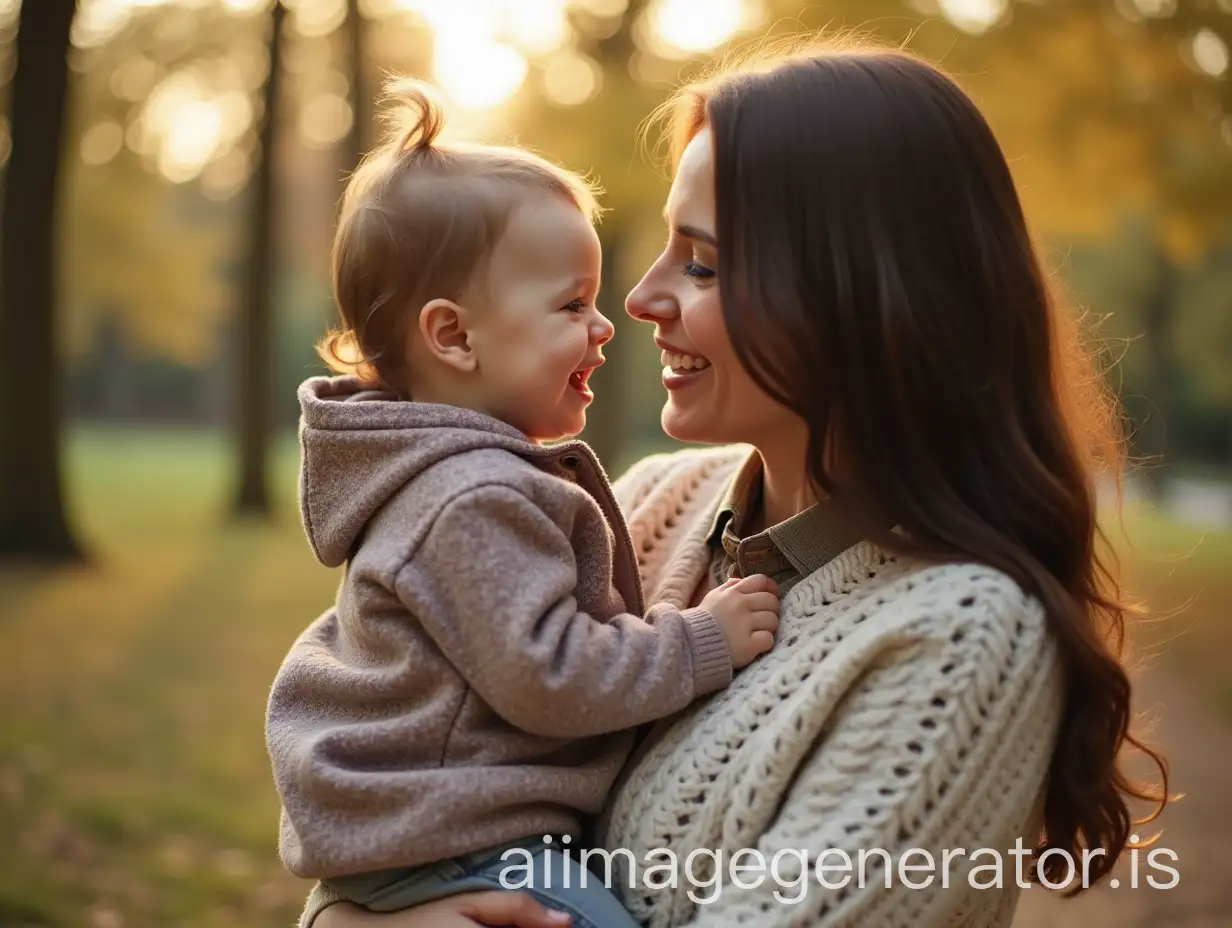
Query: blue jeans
[548,872]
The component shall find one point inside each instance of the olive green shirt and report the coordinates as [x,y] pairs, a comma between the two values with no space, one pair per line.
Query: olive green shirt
[786,552]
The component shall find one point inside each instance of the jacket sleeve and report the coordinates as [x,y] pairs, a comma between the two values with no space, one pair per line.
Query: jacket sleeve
[509,622]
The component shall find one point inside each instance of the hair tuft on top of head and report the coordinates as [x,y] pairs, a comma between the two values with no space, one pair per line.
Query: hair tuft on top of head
[416,113]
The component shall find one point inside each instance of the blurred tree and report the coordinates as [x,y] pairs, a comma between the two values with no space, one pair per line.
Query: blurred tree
[254,394]
[149,92]
[33,523]
[1133,119]
[357,85]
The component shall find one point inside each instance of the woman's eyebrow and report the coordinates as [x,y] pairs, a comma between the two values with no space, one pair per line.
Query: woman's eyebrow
[698,235]
[691,232]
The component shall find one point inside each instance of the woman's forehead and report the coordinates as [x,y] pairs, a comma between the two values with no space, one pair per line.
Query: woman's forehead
[691,200]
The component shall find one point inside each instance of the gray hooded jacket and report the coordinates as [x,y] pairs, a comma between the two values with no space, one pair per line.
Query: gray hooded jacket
[487,660]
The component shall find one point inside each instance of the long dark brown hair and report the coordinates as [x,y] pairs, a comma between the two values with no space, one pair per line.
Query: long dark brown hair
[878,279]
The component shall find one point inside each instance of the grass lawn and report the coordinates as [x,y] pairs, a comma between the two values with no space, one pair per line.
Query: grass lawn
[134,790]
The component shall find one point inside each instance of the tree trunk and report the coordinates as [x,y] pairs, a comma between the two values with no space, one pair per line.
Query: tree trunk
[361,103]
[254,396]
[1157,328]
[33,524]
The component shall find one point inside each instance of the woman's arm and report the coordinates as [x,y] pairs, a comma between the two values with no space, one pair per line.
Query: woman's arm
[941,745]
[498,908]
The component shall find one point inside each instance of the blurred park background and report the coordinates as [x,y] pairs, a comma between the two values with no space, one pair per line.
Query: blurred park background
[171,170]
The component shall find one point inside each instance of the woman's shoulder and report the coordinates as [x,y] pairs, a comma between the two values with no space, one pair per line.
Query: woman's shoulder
[675,471]
[977,594]
[941,598]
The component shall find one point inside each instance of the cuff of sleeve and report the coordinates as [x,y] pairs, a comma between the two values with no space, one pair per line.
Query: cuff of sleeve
[319,899]
[712,666]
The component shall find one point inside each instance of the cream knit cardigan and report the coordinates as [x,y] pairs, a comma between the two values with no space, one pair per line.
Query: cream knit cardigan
[904,706]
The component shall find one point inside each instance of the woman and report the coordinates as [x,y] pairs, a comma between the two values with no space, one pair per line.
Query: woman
[850,288]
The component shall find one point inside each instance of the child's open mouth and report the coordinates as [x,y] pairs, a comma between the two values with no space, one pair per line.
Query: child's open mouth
[579,380]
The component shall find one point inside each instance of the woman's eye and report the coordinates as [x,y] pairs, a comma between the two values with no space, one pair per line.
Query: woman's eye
[701,272]
[574,306]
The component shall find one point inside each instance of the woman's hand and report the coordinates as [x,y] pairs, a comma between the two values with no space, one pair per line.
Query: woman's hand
[497,909]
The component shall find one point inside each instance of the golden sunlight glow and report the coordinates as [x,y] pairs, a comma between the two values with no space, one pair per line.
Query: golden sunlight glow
[693,26]
[538,26]
[480,47]
[134,78]
[98,20]
[190,139]
[1210,53]
[570,78]
[317,17]
[102,142]
[186,122]
[607,9]
[325,120]
[477,72]
[1156,8]
[226,176]
[973,16]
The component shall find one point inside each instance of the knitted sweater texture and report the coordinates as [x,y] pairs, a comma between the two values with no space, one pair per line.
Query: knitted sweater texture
[904,707]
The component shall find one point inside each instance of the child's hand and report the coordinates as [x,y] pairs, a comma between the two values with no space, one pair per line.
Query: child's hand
[748,612]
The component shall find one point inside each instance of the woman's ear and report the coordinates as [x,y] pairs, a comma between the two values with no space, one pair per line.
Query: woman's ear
[445,328]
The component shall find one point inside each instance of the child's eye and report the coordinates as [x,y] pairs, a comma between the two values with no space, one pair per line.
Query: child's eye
[574,306]
[693,269]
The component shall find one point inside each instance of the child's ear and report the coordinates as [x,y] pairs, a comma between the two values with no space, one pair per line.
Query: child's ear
[445,329]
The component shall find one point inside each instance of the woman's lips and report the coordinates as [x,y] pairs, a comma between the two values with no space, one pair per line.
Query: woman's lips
[680,361]
[675,380]
[681,369]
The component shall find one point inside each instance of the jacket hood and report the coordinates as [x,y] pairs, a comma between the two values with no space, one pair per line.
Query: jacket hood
[359,447]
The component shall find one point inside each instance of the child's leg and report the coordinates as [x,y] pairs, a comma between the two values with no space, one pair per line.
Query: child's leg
[395,890]
[558,880]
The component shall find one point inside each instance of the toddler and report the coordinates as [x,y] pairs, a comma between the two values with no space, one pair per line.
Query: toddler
[476,687]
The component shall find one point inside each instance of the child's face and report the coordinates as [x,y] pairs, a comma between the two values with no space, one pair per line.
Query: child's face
[539,336]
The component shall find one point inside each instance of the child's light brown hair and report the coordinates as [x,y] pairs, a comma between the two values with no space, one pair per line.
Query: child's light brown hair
[418,219]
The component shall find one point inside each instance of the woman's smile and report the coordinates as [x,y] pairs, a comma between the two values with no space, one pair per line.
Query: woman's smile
[680,369]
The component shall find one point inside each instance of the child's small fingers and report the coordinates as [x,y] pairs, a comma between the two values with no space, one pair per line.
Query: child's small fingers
[764,621]
[762,641]
[762,602]
[758,583]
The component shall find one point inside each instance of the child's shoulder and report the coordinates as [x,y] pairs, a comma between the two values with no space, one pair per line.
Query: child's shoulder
[472,470]
[471,489]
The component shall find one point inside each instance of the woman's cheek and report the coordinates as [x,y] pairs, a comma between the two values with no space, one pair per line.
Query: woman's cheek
[703,323]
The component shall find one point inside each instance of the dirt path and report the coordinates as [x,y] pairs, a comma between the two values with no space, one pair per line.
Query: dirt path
[1198,829]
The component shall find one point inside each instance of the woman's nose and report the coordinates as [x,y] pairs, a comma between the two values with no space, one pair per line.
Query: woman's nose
[649,303]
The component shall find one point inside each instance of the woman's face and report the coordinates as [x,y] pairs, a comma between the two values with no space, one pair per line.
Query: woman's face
[710,397]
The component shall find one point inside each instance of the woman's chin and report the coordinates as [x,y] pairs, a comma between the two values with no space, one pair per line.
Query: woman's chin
[685,425]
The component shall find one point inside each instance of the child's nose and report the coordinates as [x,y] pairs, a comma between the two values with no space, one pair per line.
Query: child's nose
[602,330]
